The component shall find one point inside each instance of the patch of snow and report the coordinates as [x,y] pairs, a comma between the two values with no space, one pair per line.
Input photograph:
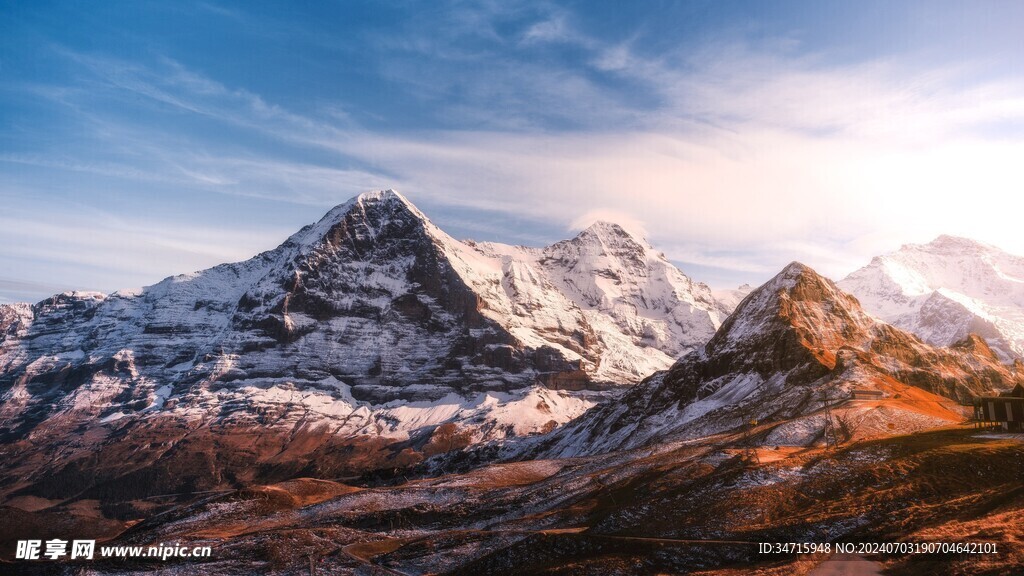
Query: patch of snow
[113,417]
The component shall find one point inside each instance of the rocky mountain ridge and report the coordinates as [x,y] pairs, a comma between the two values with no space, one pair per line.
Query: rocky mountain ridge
[794,346]
[367,329]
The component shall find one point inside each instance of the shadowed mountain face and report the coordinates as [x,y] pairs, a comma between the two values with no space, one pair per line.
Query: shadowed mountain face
[792,346]
[337,352]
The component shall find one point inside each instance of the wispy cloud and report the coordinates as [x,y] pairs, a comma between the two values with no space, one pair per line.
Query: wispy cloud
[551,29]
[798,155]
[739,155]
[108,253]
[172,84]
[25,290]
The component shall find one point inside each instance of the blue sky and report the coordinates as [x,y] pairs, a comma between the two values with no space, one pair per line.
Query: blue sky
[143,139]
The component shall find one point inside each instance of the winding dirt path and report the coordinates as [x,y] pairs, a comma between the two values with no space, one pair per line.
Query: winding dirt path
[847,565]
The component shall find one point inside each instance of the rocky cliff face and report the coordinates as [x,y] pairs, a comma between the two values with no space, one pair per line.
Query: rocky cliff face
[792,346]
[366,329]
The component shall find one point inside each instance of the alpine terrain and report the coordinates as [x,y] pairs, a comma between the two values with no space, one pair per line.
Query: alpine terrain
[794,347]
[376,397]
[758,436]
[341,350]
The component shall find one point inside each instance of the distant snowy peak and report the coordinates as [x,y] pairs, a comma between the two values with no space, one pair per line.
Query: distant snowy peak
[731,298]
[946,289]
[953,246]
[611,235]
[635,310]
[607,251]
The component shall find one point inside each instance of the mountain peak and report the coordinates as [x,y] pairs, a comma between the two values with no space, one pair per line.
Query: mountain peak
[767,295]
[382,196]
[946,244]
[374,200]
[795,270]
[613,236]
[976,344]
[798,308]
[605,227]
[363,217]
[951,239]
[794,275]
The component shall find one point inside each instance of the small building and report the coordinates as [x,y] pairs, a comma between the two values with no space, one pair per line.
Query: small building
[1005,410]
[866,394]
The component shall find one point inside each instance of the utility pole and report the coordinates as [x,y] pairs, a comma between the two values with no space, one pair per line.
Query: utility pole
[750,455]
[829,432]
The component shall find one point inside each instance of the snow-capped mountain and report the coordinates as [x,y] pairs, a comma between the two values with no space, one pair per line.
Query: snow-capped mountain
[793,345]
[623,299]
[731,298]
[946,289]
[372,323]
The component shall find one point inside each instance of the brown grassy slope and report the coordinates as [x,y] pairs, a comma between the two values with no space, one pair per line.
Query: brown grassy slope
[946,485]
